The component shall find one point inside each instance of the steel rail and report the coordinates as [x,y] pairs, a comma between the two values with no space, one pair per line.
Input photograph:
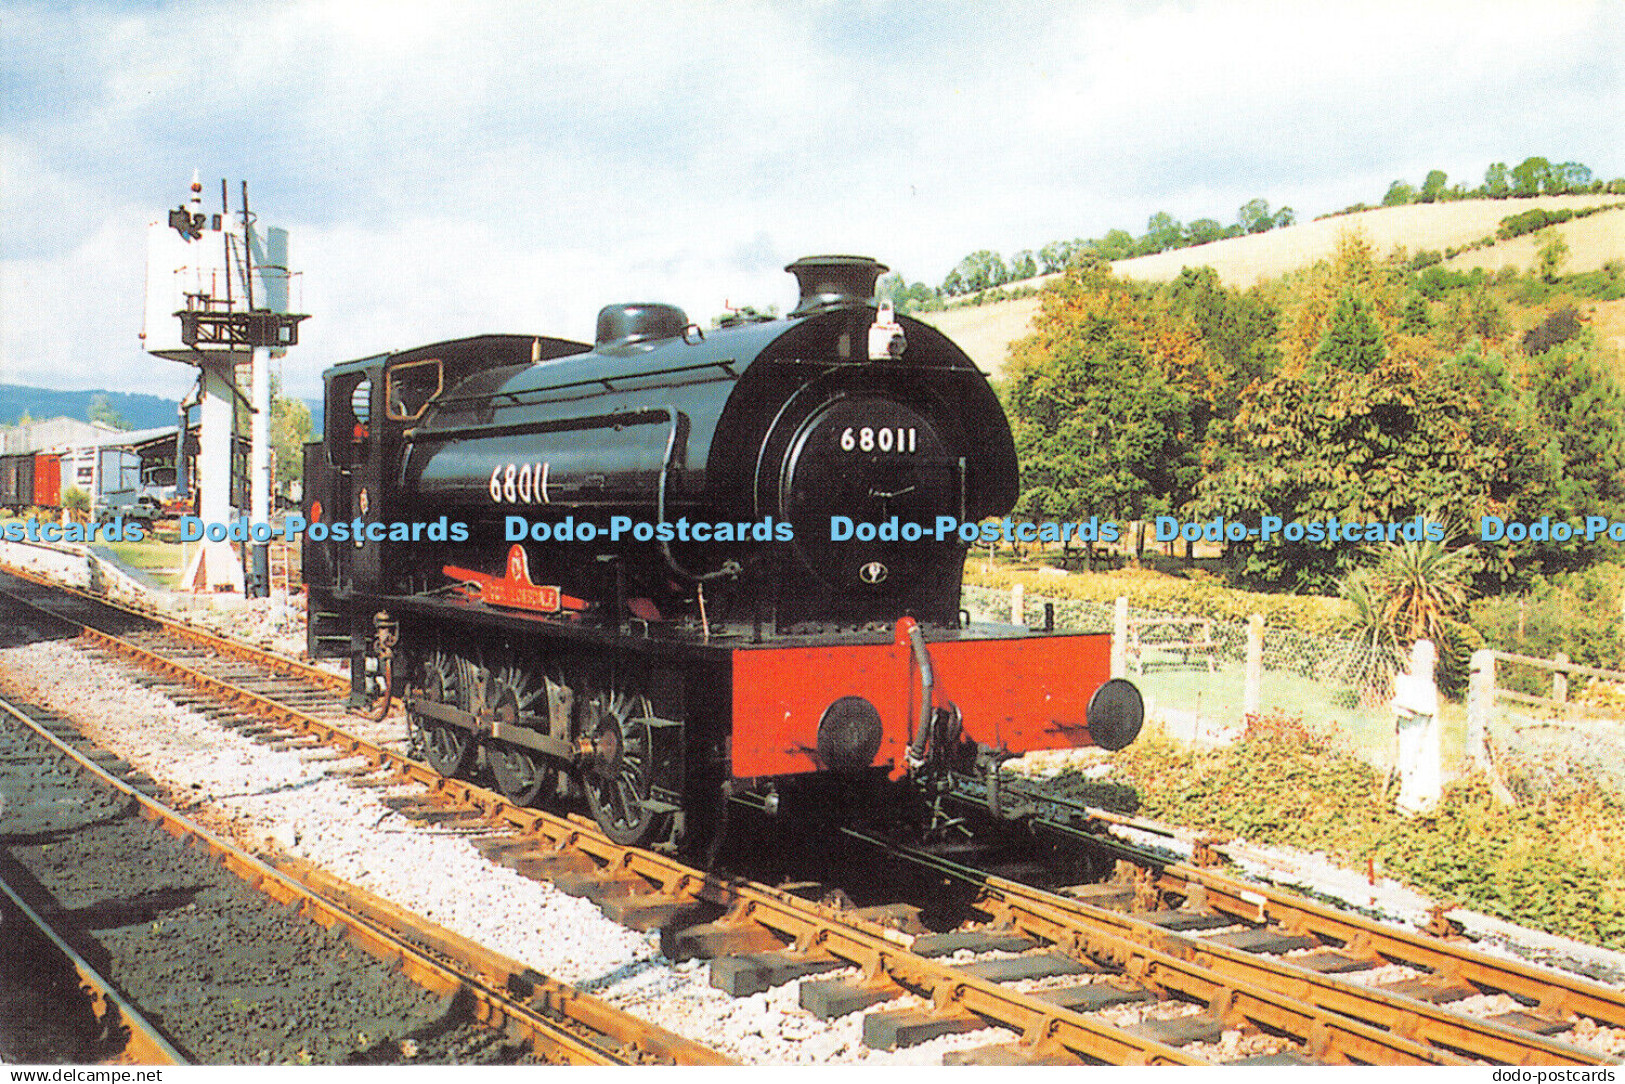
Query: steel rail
[1253,902]
[672,883]
[1222,977]
[143,1044]
[1525,982]
[284,664]
[549,995]
[1098,932]
[565,1040]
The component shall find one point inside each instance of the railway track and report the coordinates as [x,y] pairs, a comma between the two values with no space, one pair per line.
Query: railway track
[1167,964]
[58,1004]
[453,982]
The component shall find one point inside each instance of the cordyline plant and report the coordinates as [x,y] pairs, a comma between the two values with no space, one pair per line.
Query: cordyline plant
[1413,591]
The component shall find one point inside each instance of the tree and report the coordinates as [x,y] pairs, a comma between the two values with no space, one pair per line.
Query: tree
[1415,590]
[1313,445]
[1582,407]
[290,428]
[1497,180]
[1116,245]
[1098,403]
[1054,256]
[76,502]
[1399,193]
[101,410]
[1424,585]
[1023,266]
[1254,216]
[1162,232]
[1203,230]
[981,270]
[1239,328]
[1552,254]
[1353,341]
[1414,318]
[1570,177]
[1434,188]
[1530,176]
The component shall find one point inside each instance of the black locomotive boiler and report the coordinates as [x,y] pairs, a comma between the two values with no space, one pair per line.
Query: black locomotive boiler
[608,571]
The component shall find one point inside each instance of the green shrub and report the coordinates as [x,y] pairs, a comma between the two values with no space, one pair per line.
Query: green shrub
[1199,596]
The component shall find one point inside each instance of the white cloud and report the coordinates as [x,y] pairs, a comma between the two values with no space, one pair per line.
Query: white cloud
[449,168]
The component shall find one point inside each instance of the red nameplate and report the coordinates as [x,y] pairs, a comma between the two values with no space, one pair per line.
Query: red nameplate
[515,588]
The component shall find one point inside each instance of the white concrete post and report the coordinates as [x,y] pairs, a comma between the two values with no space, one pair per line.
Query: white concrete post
[1480,700]
[1252,696]
[1416,703]
[1018,604]
[215,566]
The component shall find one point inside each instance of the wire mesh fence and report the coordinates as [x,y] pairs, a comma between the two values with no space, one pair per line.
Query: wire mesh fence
[1198,682]
[1548,725]
[1543,723]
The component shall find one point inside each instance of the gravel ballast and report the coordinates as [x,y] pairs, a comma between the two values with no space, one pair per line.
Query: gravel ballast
[278,799]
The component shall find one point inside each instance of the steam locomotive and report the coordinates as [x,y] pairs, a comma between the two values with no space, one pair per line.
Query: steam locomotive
[676,566]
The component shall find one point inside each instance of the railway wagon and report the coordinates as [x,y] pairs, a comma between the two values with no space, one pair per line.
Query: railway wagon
[679,566]
[17,481]
[47,480]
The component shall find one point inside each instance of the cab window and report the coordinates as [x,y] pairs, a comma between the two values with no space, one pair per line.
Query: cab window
[410,387]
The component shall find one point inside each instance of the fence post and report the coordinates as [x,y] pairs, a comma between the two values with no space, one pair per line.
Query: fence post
[1480,702]
[1252,695]
[1018,604]
[1120,637]
[1560,679]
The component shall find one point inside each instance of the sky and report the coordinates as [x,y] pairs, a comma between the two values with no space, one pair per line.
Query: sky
[469,166]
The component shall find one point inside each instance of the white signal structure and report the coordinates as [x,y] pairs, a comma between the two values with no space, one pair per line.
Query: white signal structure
[218,297]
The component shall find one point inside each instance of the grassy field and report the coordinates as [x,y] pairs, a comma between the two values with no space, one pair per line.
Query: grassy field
[162,561]
[155,556]
[986,331]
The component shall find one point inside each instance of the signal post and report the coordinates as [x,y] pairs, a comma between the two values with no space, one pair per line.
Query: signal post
[217,297]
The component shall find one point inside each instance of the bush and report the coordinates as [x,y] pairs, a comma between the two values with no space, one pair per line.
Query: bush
[1199,596]
[1559,327]
[1536,218]
[1575,613]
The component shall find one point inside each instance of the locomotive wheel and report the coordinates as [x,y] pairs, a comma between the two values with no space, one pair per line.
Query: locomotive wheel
[449,749]
[521,775]
[617,775]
